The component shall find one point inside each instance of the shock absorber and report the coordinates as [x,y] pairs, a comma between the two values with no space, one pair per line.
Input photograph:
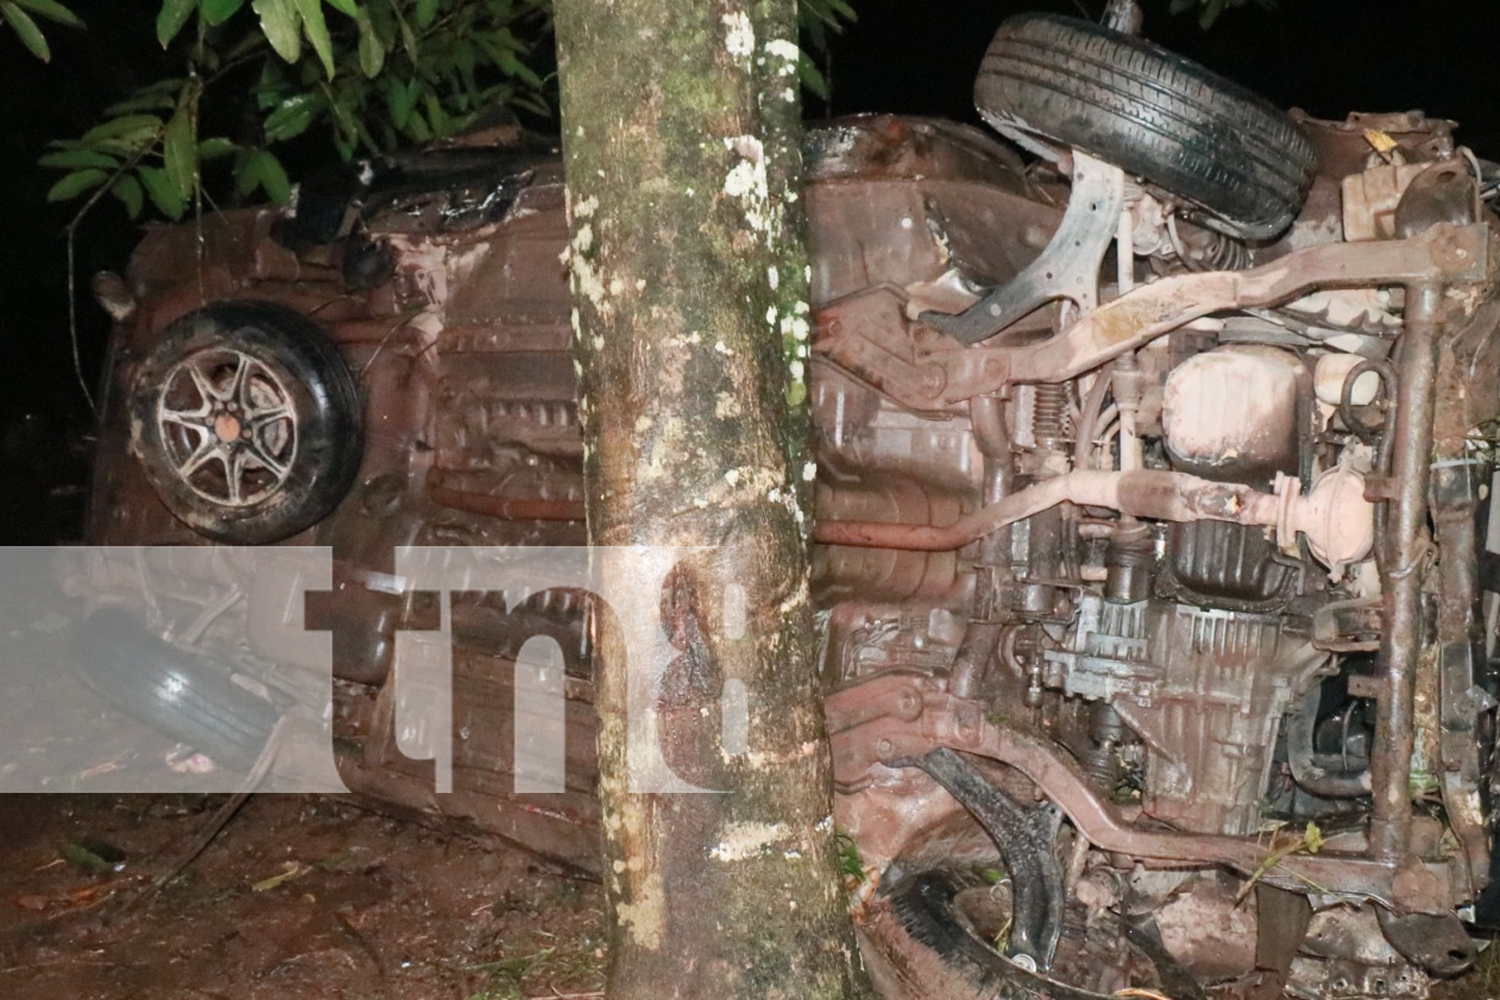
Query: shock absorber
[993,571]
[1045,532]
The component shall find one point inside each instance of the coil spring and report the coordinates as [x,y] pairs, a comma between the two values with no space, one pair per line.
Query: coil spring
[1215,253]
[1049,413]
[1225,254]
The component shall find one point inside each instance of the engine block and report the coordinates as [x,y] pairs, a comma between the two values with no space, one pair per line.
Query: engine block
[1203,689]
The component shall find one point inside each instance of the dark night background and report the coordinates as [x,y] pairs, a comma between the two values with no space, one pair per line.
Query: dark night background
[1326,56]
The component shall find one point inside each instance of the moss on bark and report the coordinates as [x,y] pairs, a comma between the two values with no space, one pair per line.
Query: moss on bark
[680,128]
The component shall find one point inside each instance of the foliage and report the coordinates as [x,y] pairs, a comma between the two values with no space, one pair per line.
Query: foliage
[373,75]
[376,74]
[21,15]
[817,20]
[851,866]
[1310,842]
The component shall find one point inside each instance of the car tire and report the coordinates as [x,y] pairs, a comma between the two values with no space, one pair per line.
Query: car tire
[247,422]
[917,947]
[1152,113]
[190,698]
[920,940]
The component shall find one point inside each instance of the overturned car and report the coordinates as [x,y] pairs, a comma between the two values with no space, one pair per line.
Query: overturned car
[1153,511]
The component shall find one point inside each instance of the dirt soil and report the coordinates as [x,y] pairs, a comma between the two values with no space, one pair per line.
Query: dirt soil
[299,896]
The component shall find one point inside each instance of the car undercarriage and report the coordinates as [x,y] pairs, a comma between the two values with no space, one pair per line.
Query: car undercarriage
[1153,538]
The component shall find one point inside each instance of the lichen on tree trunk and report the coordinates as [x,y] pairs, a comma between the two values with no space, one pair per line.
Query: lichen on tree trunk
[680,130]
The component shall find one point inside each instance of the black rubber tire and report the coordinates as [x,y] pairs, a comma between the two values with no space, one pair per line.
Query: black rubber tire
[187,697]
[917,948]
[327,438]
[1152,113]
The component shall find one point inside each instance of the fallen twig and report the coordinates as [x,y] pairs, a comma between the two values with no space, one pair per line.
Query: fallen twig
[1311,842]
[211,829]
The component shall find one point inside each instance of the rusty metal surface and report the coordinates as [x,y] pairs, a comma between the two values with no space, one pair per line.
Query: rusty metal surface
[907,200]
[1066,553]
[961,725]
[464,358]
[1067,268]
[946,373]
[1400,642]
[1156,494]
[1345,956]
[1343,148]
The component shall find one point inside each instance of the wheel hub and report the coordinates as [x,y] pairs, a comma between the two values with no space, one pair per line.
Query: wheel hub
[229,426]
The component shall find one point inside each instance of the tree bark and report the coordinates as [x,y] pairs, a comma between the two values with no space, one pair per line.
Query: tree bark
[680,129]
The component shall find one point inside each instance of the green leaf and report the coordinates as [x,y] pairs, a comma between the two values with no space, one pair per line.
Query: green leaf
[215,147]
[534,104]
[367,139]
[260,169]
[128,190]
[159,95]
[811,12]
[162,191]
[416,127]
[316,29]
[437,117]
[245,179]
[1178,6]
[371,50]
[1210,13]
[811,77]
[507,62]
[74,184]
[408,39]
[84,858]
[52,11]
[218,11]
[344,115]
[180,151]
[170,19]
[401,100]
[273,179]
[76,159]
[426,13]
[346,7]
[292,117]
[142,102]
[271,87]
[126,126]
[282,26]
[842,10]
[26,29]
[383,20]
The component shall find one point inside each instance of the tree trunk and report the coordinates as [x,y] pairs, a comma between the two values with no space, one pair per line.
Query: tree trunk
[680,127]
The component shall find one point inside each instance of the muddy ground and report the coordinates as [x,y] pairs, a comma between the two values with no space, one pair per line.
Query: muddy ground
[298,897]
